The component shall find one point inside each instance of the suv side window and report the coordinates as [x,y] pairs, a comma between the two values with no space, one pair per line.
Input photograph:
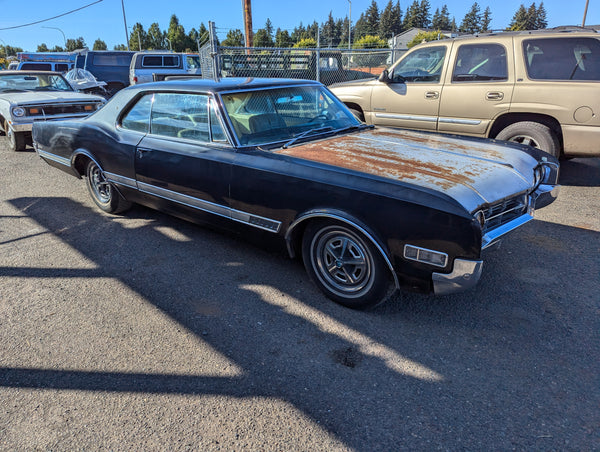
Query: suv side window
[423,65]
[480,62]
[562,58]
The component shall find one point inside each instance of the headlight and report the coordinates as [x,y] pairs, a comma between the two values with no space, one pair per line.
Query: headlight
[18,112]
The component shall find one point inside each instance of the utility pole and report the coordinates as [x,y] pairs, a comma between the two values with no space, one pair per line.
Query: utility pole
[585,12]
[248,22]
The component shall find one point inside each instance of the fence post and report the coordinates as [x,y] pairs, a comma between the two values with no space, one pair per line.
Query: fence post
[214,51]
[318,62]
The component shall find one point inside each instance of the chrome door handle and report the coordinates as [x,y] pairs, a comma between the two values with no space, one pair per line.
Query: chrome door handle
[494,95]
[432,95]
[141,152]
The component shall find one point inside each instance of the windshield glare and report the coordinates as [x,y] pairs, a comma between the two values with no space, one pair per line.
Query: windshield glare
[33,82]
[281,114]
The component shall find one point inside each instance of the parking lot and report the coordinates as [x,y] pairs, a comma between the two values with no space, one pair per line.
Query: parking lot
[144,332]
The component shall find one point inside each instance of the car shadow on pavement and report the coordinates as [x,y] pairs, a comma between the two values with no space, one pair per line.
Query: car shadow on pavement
[581,172]
[512,363]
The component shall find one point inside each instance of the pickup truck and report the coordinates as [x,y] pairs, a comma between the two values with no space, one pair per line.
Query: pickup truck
[296,64]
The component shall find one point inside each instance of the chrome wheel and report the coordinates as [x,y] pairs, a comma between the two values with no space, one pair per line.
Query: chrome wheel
[344,264]
[100,187]
[342,260]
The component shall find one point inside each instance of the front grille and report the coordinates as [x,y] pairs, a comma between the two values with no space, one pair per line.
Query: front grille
[41,111]
[503,212]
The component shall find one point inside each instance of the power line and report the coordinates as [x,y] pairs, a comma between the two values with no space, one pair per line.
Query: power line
[51,18]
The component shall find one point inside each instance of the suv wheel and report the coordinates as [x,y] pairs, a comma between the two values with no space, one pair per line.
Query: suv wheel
[532,134]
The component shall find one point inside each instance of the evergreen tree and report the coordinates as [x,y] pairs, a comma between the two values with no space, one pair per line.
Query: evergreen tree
[531,21]
[453,26]
[74,44]
[99,44]
[360,28]
[156,37]
[396,18]
[329,34]
[372,19]
[486,19]
[138,38]
[41,48]
[519,20]
[472,21]
[541,21]
[117,47]
[59,49]
[235,38]
[423,15]
[282,38]
[411,17]
[441,19]
[176,35]
[386,21]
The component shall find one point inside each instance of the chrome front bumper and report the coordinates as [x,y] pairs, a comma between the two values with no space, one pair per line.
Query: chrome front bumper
[464,275]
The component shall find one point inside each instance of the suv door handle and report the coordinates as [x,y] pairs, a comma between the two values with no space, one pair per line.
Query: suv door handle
[494,95]
[432,95]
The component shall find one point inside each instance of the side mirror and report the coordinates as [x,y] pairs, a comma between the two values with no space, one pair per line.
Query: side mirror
[385,77]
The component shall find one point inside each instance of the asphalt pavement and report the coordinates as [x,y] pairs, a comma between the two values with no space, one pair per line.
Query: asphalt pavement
[145,332]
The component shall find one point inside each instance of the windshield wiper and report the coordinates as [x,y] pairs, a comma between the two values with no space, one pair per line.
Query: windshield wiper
[305,134]
[358,127]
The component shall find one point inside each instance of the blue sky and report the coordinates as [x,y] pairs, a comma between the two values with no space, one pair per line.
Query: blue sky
[104,20]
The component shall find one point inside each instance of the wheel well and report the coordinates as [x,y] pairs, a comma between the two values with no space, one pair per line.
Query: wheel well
[296,233]
[80,164]
[510,118]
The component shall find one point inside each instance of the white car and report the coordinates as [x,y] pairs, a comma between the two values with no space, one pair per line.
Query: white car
[38,95]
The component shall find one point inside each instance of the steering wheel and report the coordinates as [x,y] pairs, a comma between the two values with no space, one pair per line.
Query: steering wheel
[319,116]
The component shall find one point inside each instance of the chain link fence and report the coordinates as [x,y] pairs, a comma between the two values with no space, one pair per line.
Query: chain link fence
[322,64]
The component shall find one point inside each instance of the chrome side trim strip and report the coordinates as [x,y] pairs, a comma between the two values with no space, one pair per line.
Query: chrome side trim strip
[385,257]
[256,221]
[121,180]
[493,235]
[406,117]
[55,158]
[468,122]
[465,275]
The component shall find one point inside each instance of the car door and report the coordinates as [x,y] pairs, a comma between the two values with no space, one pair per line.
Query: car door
[479,87]
[411,96]
[185,159]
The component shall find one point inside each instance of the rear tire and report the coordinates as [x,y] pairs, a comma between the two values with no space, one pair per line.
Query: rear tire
[102,192]
[344,264]
[534,134]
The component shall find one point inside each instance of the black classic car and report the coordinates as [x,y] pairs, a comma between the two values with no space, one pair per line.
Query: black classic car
[364,207]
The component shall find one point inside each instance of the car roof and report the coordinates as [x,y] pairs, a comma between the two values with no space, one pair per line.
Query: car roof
[17,72]
[224,84]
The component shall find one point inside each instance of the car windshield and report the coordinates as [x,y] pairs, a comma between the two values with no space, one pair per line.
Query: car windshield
[286,114]
[33,82]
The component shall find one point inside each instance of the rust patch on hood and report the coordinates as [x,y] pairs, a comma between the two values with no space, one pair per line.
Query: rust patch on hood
[396,155]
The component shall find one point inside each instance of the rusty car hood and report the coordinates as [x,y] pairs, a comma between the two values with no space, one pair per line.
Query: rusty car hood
[474,172]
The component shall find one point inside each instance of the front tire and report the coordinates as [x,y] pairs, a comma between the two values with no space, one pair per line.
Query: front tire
[16,140]
[533,134]
[344,264]
[102,192]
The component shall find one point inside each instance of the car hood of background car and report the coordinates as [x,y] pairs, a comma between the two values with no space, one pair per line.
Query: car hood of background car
[41,97]
[471,171]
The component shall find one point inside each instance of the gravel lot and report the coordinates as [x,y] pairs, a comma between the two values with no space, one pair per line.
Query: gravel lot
[144,332]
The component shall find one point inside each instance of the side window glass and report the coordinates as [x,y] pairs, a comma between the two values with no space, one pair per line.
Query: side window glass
[480,62]
[216,130]
[138,118]
[423,65]
[180,116]
[562,58]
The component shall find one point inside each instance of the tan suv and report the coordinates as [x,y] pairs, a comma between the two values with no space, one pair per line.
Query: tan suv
[537,88]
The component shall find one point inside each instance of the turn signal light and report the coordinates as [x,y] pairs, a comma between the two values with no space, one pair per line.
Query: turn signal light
[431,257]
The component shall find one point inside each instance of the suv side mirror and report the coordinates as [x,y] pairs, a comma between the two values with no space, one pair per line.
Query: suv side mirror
[385,77]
